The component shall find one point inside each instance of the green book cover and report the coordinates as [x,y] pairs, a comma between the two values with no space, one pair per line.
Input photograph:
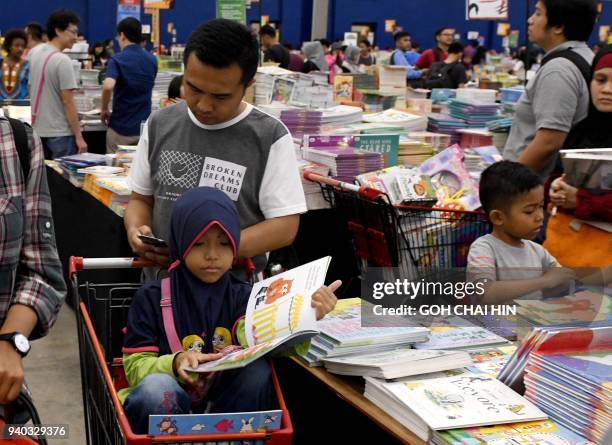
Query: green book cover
[387,144]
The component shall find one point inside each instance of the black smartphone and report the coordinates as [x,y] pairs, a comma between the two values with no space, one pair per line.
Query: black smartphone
[153,241]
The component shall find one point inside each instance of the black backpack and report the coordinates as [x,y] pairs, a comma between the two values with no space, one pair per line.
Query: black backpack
[21,143]
[439,76]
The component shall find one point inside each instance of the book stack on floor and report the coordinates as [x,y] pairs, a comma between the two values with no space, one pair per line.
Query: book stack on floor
[475,113]
[574,389]
[449,400]
[541,432]
[342,334]
[443,123]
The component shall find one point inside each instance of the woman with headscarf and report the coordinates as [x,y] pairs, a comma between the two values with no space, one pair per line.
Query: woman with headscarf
[315,57]
[570,193]
[351,60]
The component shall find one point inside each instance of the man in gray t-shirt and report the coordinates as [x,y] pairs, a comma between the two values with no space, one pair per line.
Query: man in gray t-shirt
[215,139]
[52,85]
[558,96]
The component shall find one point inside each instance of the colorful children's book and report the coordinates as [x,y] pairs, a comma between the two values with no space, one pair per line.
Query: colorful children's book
[279,313]
[450,402]
[541,432]
[214,424]
[343,89]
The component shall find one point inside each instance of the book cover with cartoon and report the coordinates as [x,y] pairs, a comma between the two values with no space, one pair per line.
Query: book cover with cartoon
[279,314]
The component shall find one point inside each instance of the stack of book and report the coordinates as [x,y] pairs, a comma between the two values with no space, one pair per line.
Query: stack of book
[400,183]
[574,389]
[586,337]
[345,163]
[340,116]
[413,152]
[70,165]
[409,121]
[301,121]
[439,141]
[397,363]
[392,79]
[449,400]
[342,334]
[475,113]
[90,77]
[458,333]
[540,432]
[312,190]
[500,125]
[443,123]
[584,306]
[475,137]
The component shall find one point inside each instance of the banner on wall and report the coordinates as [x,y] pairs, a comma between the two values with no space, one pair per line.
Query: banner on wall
[232,10]
[128,8]
[350,38]
[390,25]
[158,4]
[486,9]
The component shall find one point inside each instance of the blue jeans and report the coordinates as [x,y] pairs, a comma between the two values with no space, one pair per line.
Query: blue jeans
[236,390]
[59,146]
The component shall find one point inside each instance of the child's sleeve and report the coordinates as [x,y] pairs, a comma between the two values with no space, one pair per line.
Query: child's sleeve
[548,261]
[141,343]
[481,262]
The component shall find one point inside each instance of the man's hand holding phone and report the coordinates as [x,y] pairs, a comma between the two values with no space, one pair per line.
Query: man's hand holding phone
[144,244]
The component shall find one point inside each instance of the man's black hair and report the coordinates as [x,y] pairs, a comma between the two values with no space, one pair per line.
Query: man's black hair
[61,19]
[174,89]
[11,35]
[576,16]
[288,45]
[503,182]
[400,34]
[222,43]
[325,42]
[267,30]
[35,30]
[366,42]
[441,30]
[455,48]
[131,28]
[416,45]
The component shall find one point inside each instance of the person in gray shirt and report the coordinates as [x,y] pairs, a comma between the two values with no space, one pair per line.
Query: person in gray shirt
[52,87]
[557,98]
[510,264]
[214,139]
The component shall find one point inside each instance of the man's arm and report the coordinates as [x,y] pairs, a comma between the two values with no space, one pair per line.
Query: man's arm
[107,91]
[545,145]
[138,220]
[73,119]
[268,235]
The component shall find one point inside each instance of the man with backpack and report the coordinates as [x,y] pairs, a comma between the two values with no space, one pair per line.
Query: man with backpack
[32,287]
[449,73]
[444,37]
[557,97]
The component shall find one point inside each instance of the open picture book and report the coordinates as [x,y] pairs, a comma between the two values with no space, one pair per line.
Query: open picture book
[279,315]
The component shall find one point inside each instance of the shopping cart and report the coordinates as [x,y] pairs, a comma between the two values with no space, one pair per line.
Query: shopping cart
[23,405]
[101,317]
[407,241]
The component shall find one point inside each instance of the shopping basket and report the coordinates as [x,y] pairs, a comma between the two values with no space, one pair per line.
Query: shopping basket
[407,241]
[101,318]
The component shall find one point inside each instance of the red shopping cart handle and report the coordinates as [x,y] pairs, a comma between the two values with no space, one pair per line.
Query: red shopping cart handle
[77,263]
[365,192]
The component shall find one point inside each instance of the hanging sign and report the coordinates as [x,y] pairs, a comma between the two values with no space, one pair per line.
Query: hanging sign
[486,9]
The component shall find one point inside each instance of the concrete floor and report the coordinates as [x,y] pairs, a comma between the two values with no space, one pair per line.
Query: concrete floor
[53,374]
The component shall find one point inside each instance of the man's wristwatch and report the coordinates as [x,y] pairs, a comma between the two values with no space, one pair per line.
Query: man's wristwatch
[19,341]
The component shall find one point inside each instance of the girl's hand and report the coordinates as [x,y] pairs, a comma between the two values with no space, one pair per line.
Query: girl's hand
[324,300]
[191,359]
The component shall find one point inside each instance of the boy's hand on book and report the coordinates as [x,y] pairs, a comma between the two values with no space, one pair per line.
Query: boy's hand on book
[557,276]
[324,299]
[191,359]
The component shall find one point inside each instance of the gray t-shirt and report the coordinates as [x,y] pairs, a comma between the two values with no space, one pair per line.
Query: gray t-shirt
[492,259]
[59,75]
[251,158]
[557,98]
